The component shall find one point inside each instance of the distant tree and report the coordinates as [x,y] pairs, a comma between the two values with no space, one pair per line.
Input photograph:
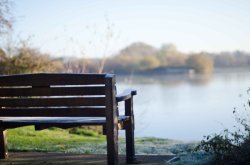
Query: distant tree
[3,61]
[137,56]
[149,62]
[30,61]
[138,50]
[232,59]
[121,64]
[170,56]
[5,16]
[201,63]
[141,56]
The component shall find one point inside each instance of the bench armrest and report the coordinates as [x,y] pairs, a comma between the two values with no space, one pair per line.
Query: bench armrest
[127,94]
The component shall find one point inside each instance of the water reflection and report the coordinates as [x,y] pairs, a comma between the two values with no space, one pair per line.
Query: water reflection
[186,108]
[171,80]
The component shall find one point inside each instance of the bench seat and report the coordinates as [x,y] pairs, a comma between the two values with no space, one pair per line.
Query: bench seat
[12,122]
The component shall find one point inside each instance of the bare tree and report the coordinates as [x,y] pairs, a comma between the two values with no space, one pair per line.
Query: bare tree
[108,37]
[5,16]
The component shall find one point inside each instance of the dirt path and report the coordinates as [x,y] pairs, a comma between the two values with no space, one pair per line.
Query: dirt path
[39,158]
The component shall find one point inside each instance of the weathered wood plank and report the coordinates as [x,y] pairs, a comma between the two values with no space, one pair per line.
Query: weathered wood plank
[67,122]
[112,121]
[127,94]
[53,112]
[46,79]
[48,102]
[3,144]
[130,144]
[54,121]
[53,91]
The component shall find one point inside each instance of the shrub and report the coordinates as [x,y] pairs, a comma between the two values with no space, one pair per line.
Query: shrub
[201,63]
[230,147]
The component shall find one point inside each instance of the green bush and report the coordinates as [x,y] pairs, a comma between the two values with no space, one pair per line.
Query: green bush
[228,147]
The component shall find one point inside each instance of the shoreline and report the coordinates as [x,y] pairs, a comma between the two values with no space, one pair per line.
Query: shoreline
[176,74]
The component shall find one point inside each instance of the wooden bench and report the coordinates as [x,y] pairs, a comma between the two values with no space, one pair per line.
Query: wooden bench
[67,100]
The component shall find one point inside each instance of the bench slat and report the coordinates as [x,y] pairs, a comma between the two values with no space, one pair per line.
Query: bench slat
[53,91]
[53,112]
[56,122]
[46,79]
[48,102]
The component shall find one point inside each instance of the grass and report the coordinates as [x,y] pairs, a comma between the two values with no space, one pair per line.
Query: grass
[89,142]
[192,159]
[84,132]
[79,140]
[49,140]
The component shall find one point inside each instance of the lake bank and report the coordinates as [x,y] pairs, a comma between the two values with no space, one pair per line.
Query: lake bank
[180,71]
[26,139]
[59,140]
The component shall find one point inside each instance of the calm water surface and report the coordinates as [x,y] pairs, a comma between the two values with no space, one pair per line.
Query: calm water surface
[184,107]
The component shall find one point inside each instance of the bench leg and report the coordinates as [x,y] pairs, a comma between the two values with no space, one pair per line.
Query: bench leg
[3,144]
[130,144]
[112,145]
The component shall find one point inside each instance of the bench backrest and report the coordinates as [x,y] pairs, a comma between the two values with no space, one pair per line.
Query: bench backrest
[56,95]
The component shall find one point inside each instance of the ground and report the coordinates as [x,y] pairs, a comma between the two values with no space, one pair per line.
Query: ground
[41,158]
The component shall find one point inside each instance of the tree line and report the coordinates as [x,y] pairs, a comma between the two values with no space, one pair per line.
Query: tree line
[135,58]
[141,57]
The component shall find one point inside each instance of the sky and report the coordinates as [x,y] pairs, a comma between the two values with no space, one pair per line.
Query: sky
[97,28]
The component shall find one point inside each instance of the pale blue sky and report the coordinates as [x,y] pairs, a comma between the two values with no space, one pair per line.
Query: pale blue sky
[74,27]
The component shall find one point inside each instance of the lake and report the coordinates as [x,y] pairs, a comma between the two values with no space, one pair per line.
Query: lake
[187,107]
